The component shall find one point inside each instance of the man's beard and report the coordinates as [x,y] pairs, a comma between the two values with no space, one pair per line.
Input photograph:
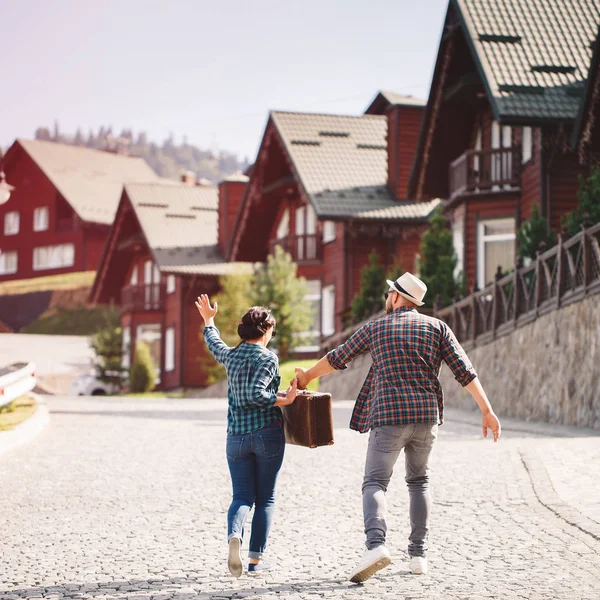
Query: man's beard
[389,309]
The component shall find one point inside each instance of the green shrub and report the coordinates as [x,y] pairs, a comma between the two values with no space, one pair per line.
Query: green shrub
[142,376]
[532,233]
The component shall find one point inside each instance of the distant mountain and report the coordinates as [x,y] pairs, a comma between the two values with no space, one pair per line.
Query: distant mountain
[167,159]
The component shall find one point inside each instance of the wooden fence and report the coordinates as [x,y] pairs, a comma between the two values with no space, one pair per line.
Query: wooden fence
[564,274]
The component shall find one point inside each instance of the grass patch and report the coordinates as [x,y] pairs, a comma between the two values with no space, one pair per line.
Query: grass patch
[67,281]
[73,321]
[16,412]
[287,372]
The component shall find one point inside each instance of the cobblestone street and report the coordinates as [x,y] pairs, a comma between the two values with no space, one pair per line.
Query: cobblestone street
[127,499]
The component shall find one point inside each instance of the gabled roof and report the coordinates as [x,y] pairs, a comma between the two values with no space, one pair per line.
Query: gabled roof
[341,162]
[384,99]
[91,181]
[179,223]
[586,123]
[533,55]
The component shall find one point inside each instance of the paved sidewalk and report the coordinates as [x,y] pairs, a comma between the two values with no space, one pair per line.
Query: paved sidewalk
[126,499]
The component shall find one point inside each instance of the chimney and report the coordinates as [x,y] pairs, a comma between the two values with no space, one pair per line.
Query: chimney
[231,192]
[404,129]
[188,177]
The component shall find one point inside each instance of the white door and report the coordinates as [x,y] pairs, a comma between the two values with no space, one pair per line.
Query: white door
[494,162]
[148,283]
[300,231]
[506,156]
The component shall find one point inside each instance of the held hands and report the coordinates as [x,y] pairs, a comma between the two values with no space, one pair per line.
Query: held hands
[491,421]
[207,312]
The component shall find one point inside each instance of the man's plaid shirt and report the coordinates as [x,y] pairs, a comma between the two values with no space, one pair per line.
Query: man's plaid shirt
[402,385]
[253,377]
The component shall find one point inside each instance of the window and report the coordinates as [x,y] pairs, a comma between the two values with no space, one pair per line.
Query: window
[151,287]
[328,310]
[133,280]
[458,241]
[126,347]
[11,223]
[53,257]
[170,349]
[495,247]
[310,339]
[40,218]
[527,144]
[8,263]
[171,284]
[328,231]
[283,229]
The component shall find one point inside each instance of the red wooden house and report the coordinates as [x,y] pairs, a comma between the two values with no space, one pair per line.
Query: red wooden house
[65,198]
[496,132]
[162,253]
[329,189]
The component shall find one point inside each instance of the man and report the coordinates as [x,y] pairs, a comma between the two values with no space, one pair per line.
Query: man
[401,403]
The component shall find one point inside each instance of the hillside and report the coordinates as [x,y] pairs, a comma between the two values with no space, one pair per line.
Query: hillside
[167,159]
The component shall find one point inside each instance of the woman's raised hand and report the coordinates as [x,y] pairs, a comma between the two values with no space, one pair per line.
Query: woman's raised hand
[207,312]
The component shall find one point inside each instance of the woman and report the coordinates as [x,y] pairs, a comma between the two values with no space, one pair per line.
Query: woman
[255,438]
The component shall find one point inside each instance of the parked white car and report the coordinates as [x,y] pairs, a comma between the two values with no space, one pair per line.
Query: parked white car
[88,384]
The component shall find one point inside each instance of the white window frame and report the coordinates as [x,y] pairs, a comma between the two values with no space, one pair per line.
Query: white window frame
[126,347]
[458,243]
[133,280]
[328,310]
[171,284]
[12,221]
[169,349]
[41,218]
[329,232]
[59,256]
[527,144]
[283,227]
[481,241]
[9,262]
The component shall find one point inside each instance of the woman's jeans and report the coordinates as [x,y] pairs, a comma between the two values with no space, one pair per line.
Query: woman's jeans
[254,462]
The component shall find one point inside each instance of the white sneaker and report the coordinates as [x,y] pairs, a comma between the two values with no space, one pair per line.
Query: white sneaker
[234,559]
[372,561]
[418,565]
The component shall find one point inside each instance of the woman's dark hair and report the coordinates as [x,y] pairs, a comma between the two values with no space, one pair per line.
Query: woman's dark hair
[255,323]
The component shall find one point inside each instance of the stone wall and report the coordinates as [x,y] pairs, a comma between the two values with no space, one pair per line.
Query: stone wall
[548,370]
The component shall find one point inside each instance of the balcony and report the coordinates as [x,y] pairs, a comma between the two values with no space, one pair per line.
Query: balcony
[485,171]
[303,248]
[136,298]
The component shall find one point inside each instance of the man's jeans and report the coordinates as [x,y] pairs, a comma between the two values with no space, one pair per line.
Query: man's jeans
[254,461]
[385,444]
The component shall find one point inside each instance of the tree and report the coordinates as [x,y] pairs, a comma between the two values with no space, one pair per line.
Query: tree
[277,287]
[438,260]
[589,203]
[370,299]
[142,377]
[107,345]
[234,300]
[532,233]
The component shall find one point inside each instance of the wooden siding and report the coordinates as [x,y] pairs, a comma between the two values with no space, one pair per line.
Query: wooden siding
[563,186]
[230,197]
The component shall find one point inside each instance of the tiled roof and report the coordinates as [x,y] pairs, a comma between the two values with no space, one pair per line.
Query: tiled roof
[342,164]
[180,224]
[91,181]
[534,54]
[401,99]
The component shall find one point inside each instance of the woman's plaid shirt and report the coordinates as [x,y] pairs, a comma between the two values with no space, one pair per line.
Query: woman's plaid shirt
[403,385]
[253,377]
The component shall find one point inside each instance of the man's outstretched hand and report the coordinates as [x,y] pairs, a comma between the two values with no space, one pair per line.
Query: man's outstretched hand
[490,421]
[302,377]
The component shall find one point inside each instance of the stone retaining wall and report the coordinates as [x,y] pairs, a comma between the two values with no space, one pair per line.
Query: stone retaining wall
[548,370]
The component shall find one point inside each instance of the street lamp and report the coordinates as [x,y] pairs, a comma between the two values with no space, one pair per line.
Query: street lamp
[5,188]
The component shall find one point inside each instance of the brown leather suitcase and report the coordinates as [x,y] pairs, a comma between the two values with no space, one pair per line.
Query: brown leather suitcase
[309,420]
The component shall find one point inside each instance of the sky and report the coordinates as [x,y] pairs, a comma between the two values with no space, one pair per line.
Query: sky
[206,71]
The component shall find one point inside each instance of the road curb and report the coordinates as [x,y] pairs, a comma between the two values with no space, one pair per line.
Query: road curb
[28,430]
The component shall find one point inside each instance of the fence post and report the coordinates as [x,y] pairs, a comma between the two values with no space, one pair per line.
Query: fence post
[495,301]
[559,269]
[538,281]
[518,266]
[584,254]
[474,316]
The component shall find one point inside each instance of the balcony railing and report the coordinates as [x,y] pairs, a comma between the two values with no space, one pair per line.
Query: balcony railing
[303,248]
[484,171]
[143,297]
